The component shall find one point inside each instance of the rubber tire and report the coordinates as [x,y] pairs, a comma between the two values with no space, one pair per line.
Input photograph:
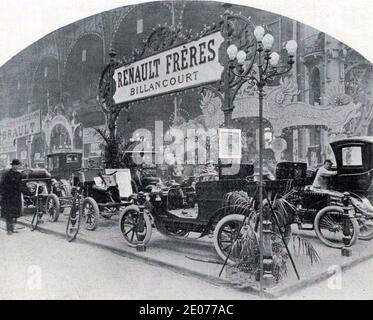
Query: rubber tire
[96,213]
[68,237]
[54,218]
[367,237]
[318,217]
[231,217]
[148,225]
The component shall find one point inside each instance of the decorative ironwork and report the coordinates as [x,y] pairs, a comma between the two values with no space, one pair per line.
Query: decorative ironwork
[107,85]
[166,37]
[161,39]
[236,29]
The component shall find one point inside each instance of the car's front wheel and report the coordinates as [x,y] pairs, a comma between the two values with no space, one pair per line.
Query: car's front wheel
[90,213]
[135,226]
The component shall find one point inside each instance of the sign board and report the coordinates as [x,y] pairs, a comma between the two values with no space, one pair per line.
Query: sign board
[179,68]
[13,129]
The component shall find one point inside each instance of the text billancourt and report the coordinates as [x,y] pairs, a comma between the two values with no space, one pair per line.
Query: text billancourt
[185,66]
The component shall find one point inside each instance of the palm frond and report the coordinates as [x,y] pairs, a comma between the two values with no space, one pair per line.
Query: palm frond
[306,248]
[238,202]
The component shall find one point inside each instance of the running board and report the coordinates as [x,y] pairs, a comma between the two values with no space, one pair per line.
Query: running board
[187,213]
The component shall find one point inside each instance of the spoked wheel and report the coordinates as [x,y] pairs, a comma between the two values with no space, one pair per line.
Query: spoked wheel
[73,224]
[365,227]
[35,220]
[90,213]
[135,226]
[225,234]
[330,224]
[52,207]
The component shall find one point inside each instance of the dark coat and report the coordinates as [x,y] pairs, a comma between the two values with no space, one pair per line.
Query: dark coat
[11,194]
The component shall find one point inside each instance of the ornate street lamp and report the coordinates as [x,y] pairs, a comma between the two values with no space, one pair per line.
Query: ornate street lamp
[242,61]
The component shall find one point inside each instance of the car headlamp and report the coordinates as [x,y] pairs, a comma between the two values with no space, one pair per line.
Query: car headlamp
[31,187]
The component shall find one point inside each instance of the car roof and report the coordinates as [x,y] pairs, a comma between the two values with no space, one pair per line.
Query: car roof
[366,139]
[62,153]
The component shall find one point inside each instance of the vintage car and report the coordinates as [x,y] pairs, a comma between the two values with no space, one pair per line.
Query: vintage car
[334,215]
[324,210]
[178,209]
[354,165]
[38,198]
[354,159]
[61,166]
[100,195]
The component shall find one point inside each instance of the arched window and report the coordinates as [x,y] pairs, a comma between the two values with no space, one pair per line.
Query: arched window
[46,86]
[83,69]
[137,25]
[60,138]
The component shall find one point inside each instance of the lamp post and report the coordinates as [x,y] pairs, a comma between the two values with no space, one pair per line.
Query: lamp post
[241,68]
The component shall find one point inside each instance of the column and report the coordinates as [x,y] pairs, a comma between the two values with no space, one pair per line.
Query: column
[295,145]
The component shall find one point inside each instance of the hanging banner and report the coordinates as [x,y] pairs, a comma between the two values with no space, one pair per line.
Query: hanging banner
[179,68]
[13,129]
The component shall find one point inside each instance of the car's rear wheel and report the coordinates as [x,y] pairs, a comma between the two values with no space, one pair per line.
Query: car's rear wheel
[52,207]
[225,234]
[90,213]
[365,227]
[331,223]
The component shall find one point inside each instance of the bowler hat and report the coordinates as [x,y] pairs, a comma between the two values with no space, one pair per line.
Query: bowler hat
[15,162]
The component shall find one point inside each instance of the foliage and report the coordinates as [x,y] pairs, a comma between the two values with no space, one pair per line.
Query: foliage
[113,148]
[247,248]
[237,202]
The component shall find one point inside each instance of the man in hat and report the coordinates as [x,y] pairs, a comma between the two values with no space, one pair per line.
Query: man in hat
[11,198]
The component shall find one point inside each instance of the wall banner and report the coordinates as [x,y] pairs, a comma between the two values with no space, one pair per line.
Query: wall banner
[13,129]
[188,65]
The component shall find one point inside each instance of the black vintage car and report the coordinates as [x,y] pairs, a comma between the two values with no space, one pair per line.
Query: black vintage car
[176,209]
[61,166]
[354,157]
[100,195]
[324,210]
[37,194]
[175,214]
